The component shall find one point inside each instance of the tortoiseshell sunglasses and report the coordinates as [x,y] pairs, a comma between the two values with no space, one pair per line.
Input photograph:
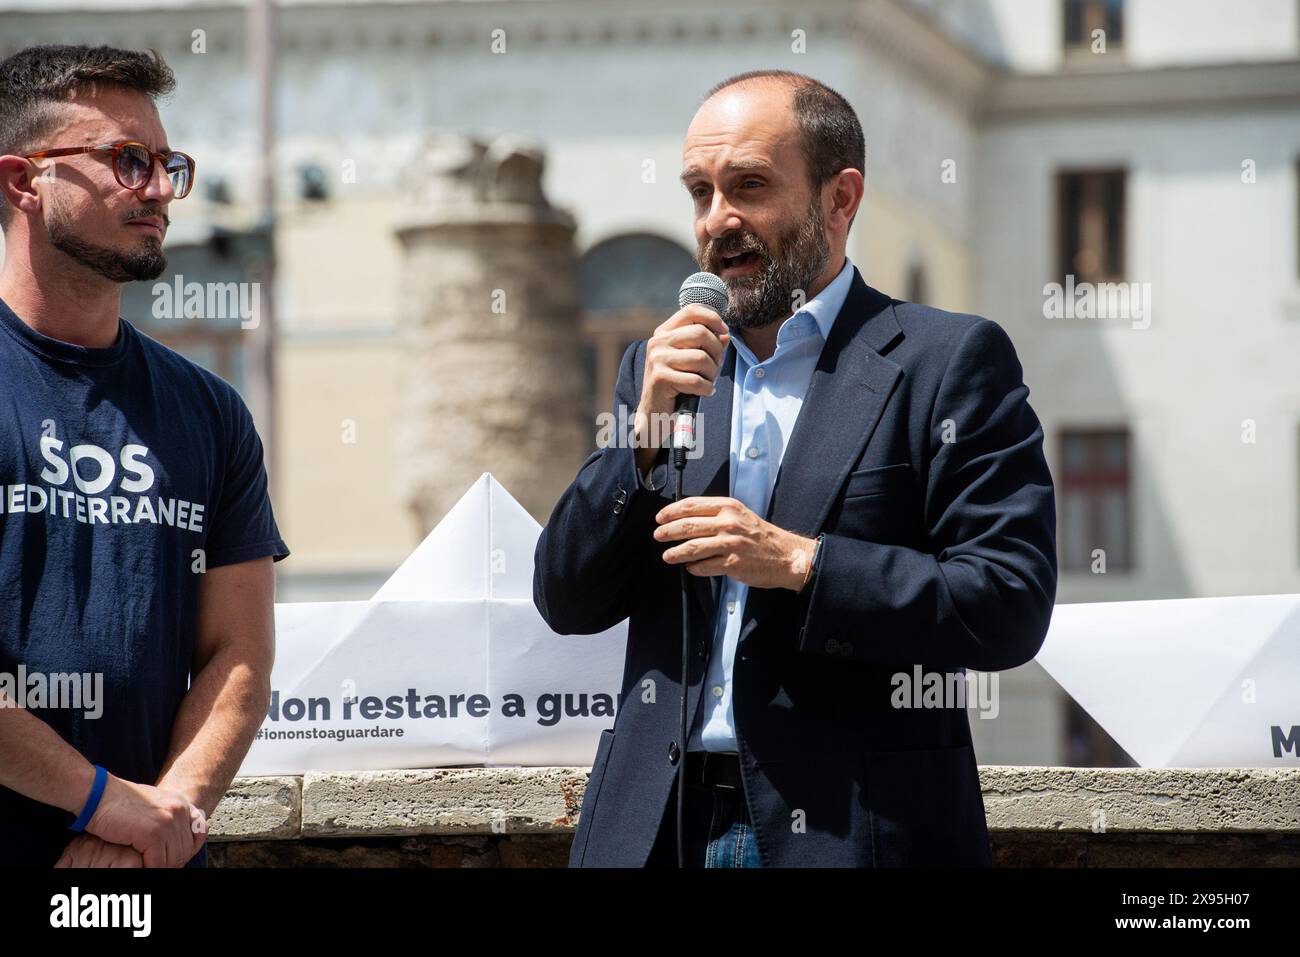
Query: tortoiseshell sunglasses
[133,164]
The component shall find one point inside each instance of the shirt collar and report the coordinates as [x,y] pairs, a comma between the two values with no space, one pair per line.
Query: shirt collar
[826,305]
[821,309]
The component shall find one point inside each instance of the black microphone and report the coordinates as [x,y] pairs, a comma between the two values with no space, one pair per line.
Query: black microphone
[704,289]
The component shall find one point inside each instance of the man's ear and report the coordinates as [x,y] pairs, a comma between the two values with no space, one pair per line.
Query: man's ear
[846,191]
[17,184]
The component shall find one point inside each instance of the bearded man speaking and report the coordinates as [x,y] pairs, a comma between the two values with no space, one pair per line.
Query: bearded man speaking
[870,498]
[136,534]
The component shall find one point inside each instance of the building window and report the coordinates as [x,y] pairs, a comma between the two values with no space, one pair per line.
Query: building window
[1095,500]
[1082,20]
[1090,225]
[629,287]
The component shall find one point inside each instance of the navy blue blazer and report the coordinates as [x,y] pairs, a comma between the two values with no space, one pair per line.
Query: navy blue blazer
[917,454]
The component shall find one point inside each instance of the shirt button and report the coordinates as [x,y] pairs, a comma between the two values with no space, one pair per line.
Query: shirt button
[753,452]
[731,608]
[717,691]
[673,752]
[760,373]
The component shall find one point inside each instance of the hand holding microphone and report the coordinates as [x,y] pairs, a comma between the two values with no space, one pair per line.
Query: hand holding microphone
[682,360]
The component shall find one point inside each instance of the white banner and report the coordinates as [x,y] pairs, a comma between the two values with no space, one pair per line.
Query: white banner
[448,664]
[1195,682]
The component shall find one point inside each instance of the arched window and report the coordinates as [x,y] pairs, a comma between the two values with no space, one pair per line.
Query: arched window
[629,286]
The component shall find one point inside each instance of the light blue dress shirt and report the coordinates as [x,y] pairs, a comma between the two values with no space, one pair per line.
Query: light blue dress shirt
[766,400]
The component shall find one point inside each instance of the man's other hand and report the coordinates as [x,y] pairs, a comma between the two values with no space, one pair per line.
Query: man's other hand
[723,536]
[86,850]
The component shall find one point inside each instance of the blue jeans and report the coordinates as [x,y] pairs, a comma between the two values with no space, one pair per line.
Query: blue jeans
[718,831]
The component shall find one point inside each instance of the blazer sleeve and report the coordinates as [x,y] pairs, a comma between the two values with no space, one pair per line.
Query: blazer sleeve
[982,596]
[589,555]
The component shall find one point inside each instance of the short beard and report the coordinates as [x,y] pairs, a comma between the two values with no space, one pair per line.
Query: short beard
[801,256]
[145,261]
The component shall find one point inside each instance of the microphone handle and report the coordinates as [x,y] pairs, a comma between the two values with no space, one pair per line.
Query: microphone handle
[686,406]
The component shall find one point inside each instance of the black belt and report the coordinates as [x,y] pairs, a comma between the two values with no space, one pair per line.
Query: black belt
[713,769]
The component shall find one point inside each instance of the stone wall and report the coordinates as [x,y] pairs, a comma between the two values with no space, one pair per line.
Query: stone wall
[524,817]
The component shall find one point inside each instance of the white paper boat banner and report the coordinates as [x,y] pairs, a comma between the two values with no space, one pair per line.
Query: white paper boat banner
[1196,682]
[449,663]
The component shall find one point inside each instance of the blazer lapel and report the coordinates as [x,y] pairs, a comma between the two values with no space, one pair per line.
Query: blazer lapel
[843,404]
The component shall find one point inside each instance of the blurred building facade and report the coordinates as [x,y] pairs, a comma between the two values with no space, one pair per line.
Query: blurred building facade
[1011,143]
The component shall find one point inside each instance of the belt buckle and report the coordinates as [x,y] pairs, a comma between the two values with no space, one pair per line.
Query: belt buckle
[704,771]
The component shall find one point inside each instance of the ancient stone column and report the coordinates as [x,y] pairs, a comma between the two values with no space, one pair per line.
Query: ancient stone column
[491,369]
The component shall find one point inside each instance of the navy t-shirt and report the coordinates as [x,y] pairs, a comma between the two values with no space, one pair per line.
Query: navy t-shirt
[124,473]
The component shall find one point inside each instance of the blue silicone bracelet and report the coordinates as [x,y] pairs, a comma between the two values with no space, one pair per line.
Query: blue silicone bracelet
[92,802]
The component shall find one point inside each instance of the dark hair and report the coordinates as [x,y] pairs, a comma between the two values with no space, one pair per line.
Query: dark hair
[35,80]
[832,135]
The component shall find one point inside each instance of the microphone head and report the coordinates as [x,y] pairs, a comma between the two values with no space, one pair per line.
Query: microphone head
[707,290]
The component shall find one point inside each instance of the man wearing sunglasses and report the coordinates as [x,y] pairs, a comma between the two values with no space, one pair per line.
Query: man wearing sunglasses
[136,532]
